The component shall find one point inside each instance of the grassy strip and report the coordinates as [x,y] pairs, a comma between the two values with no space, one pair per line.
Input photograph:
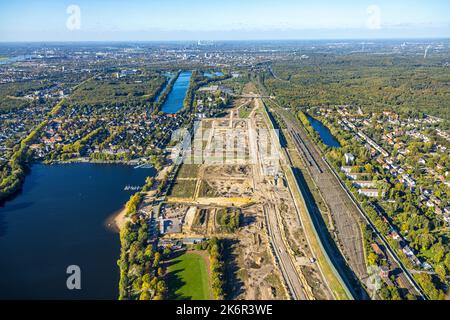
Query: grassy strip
[188,277]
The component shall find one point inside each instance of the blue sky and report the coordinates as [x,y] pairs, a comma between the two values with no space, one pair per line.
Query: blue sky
[46,20]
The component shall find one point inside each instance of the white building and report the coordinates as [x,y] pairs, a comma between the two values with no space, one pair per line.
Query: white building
[349,158]
[364,184]
[371,193]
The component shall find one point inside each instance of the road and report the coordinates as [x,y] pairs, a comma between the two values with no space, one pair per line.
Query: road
[250,96]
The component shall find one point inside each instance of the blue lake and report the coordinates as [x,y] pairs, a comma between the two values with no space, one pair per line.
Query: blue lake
[324,133]
[58,220]
[174,101]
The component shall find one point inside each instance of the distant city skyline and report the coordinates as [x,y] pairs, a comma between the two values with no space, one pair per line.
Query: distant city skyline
[138,20]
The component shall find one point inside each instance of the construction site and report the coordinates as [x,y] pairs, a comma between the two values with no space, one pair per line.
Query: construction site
[235,169]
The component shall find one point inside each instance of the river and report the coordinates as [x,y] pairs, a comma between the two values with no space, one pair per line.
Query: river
[175,99]
[59,219]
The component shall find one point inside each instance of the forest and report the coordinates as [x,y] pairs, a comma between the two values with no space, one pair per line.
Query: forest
[408,84]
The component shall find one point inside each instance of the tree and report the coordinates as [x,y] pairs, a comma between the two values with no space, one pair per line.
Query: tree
[395,295]
[440,271]
[368,167]
[447,261]
[123,283]
[426,282]
[166,252]
[137,284]
[148,253]
[384,293]
[156,259]
[145,296]
[161,288]
[438,252]
[372,259]
[147,278]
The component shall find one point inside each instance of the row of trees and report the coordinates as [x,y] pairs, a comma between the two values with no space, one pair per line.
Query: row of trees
[217,268]
[13,173]
[215,250]
[107,157]
[78,145]
[132,205]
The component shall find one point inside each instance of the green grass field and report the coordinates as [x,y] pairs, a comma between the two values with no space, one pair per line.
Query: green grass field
[188,278]
[188,171]
[183,188]
[245,111]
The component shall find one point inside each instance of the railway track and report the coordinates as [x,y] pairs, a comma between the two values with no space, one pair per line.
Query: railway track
[282,256]
[324,183]
[305,151]
[344,214]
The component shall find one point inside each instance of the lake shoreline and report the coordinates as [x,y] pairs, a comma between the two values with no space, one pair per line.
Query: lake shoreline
[117,220]
[65,215]
[27,170]
[88,160]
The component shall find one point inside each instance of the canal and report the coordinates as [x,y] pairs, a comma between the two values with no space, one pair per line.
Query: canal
[175,99]
[169,77]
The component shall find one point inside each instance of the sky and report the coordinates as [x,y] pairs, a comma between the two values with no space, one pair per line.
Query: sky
[147,20]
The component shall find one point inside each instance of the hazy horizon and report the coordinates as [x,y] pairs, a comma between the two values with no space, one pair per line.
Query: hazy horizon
[225,40]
